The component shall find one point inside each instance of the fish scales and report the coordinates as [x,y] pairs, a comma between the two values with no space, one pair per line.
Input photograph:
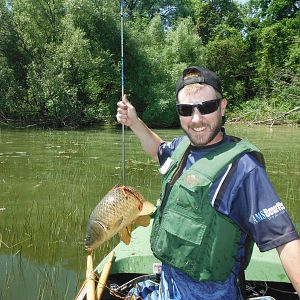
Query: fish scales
[116,204]
[117,210]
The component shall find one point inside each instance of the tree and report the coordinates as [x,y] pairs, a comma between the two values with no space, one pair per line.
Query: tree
[11,45]
[209,15]
[37,22]
[9,90]
[180,47]
[72,87]
[60,59]
[273,50]
[228,55]
[275,10]
[169,10]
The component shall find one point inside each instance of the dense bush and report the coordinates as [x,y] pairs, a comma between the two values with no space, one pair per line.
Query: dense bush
[60,60]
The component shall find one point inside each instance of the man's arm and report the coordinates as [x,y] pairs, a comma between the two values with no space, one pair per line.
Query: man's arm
[126,115]
[289,254]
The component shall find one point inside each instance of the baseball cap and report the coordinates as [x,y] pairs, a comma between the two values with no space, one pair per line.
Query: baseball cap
[204,76]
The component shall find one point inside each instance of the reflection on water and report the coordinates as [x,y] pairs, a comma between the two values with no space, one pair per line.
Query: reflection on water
[26,279]
[51,180]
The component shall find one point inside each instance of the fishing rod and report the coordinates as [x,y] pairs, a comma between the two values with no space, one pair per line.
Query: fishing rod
[122,4]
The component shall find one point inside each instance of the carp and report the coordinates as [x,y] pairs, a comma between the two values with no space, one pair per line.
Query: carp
[115,213]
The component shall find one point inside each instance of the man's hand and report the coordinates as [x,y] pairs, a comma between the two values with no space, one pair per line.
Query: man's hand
[126,113]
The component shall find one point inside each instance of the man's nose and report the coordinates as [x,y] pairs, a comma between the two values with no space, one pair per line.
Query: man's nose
[196,115]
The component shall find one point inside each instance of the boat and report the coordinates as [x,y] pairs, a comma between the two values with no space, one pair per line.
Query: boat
[134,263]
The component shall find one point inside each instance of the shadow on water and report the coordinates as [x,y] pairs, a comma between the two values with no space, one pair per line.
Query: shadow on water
[50,181]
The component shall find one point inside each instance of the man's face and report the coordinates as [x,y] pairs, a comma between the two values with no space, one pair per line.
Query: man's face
[202,129]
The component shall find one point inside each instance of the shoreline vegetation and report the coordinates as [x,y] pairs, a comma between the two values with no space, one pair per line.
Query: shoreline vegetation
[281,118]
[60,62]
[249,118]
[267,122]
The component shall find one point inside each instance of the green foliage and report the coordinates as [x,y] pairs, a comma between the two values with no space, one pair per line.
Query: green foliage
[228,55]
[167,53]
[169,10]
[70,87]
[293,57]
[281,9]
[282,101]
[183,45]
[155,114]
[38,23]
[274,41]
[209,15]
[285,89]
[100,21]
[60,60]
[9,90]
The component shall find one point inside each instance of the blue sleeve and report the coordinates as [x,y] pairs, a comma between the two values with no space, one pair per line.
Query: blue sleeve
[166,149]
[253,204]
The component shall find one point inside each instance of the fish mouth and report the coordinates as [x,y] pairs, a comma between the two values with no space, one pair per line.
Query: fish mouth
[89,249]
[87,241]
[90,245]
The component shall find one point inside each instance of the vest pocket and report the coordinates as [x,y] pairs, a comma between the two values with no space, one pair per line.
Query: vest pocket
[184,227]
[178,244]
[192,193]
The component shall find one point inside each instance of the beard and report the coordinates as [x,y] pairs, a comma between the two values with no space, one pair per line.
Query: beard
[203,137]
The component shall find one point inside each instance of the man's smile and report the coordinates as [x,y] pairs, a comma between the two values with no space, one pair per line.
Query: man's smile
[198,129]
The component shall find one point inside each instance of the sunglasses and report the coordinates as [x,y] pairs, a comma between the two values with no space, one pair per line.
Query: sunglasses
[207,107]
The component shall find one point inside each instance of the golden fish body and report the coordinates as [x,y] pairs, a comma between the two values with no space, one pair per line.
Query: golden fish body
[122,206]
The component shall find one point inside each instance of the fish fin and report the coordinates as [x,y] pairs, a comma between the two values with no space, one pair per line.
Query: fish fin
[143,220]
[147,209]
[125,235]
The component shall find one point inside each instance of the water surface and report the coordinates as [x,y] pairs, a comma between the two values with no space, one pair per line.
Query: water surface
[50,181]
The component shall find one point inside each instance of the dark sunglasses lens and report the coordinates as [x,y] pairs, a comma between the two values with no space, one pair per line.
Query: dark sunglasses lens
[185,110]
[208,107]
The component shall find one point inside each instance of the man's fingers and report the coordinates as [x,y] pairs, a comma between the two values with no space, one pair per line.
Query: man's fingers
[122,112]
[121,118]
[125,112]
[126,102]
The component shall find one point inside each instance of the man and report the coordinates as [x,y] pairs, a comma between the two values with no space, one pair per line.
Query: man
[214,191]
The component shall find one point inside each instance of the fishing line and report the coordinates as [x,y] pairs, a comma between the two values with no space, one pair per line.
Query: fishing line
[122,83]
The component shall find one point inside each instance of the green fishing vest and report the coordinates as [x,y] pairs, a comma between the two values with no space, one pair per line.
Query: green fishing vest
[189,234]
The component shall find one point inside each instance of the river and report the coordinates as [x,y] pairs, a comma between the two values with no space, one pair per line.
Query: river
[51,180]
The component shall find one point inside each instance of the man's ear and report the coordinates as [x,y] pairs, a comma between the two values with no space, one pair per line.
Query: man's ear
[223,105]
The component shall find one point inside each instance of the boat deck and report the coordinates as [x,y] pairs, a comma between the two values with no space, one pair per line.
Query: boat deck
[138,258]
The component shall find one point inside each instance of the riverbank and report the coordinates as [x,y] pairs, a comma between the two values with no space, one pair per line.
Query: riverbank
[253,117]
[15,124]
[250,117]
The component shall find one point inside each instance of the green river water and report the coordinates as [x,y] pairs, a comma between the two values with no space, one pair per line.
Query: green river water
[50,181]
